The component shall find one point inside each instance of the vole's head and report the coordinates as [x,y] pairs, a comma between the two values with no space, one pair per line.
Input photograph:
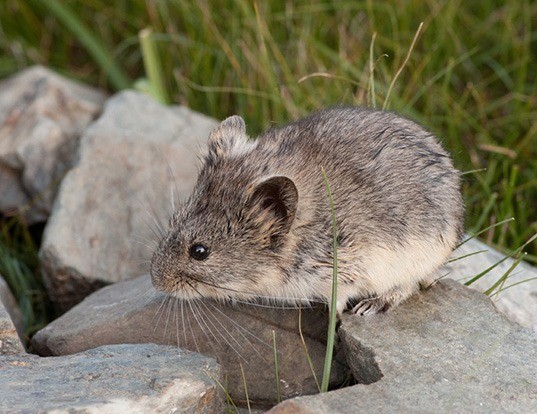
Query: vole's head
[229,237]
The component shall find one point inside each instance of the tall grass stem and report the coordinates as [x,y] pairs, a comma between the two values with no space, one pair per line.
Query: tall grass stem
[333,302]
[153,66]
[372,71]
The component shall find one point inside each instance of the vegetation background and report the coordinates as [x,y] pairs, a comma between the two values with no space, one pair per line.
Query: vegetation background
[469,74]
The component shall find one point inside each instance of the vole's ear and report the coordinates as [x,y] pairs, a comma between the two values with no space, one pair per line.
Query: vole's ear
[228,136]
[273,205]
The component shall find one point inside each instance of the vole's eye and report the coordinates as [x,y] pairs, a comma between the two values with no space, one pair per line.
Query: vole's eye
[199,251]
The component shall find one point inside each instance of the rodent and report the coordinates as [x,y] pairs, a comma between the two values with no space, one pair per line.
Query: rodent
[258,223]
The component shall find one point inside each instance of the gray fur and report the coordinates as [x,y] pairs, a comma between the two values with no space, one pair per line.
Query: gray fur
[262,209]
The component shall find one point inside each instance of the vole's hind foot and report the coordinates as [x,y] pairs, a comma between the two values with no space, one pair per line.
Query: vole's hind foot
[381,303]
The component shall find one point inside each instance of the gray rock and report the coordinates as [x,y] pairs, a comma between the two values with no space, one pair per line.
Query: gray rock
[132,312]
[14,196]
[519,302]
[112,205]
[11,329]
[445,350]
[42,115]
[116,378]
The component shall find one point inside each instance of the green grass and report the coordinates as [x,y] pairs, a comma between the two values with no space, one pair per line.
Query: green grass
[470,76]
[19,267]
[331,333]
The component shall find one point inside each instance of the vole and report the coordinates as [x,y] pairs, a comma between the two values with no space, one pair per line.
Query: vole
[258,223]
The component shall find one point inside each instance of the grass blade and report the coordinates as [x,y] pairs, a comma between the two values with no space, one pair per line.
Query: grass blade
[153,67]
[245,389]
[516,283]
[465,256]
[92,44]
[310,362]
[371,72]
[387,100]
[276,371]
[474,235]
[513,253]
[333,304]
[504,277]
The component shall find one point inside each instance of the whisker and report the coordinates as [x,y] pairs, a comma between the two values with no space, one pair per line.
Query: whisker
[158,232]
[142,262]
[274,305]
[159,313]
[192,305]
[176,315]
[255,296]
[149,247]
[148,296]
[171,175]
[169,308]
[155,225]
[172,199]
[201,314]
[144,241]
[204,322]
[143,238]
[183,320]
[241,328]
[221,334]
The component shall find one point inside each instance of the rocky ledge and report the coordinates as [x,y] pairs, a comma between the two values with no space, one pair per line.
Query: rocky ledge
[445,350]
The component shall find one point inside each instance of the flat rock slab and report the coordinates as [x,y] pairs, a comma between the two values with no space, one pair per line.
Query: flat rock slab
[446,350]
[134,162]
[10,322]
[115,378]
[519,301]
[42,116]
[132,312]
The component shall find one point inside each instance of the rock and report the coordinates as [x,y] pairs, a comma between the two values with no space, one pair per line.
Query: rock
[42,115]
[446,350]
[11,329]
[519,302]
[14,197]
[132,312]
[115,378]
[112,205]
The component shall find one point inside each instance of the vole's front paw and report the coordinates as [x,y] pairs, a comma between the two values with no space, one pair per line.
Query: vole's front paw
[370,306]
[382,303]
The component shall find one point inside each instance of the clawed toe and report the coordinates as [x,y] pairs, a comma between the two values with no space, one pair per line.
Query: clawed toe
[383,302]
[369,306]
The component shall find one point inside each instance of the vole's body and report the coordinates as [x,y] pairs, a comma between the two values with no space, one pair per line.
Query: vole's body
[261,210]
